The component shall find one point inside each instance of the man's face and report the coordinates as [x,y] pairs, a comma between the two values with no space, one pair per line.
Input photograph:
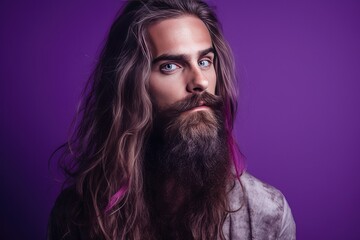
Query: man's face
[189,125]
[183,61]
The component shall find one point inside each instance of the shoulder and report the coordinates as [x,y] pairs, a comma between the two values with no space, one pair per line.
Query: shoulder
[65,216]
[262,196]
[269,214]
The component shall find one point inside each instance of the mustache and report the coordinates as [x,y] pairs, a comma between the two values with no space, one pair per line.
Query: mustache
[195,100]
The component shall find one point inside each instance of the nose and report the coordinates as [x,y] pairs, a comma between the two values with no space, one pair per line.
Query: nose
[197,82]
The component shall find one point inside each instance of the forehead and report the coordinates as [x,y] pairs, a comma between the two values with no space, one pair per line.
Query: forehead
[182,35]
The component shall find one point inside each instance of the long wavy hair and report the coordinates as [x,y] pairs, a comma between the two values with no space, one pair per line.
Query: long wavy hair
[104,158]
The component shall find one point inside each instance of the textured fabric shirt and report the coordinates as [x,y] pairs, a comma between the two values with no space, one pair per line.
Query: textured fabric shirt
[261,212]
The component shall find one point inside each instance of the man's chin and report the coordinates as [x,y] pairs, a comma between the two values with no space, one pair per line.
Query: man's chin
[194,124]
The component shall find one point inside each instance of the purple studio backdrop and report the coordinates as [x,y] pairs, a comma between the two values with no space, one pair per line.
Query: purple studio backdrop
[298,64]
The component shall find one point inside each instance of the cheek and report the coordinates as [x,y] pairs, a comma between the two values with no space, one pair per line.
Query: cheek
[211,76]
[164,91]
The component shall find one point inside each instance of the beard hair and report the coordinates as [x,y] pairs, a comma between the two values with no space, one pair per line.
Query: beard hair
[191,147]
[187,169]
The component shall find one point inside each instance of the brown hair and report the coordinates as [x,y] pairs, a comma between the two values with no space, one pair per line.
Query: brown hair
[104,158]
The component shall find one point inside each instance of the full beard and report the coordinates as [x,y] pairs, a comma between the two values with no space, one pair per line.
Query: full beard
[187,169]
[190,147]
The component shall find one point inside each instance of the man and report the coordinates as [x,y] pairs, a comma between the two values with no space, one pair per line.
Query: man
[153,156]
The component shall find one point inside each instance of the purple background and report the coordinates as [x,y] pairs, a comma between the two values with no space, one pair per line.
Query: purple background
[298,124]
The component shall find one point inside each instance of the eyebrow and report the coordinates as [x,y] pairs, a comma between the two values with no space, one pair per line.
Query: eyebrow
[181,57]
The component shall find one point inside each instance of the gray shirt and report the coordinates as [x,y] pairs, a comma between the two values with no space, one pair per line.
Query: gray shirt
[260,212]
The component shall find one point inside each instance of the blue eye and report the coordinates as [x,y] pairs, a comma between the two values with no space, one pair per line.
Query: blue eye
[169,67]
[204,63]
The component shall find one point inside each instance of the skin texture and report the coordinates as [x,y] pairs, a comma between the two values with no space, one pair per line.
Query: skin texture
[182,60]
